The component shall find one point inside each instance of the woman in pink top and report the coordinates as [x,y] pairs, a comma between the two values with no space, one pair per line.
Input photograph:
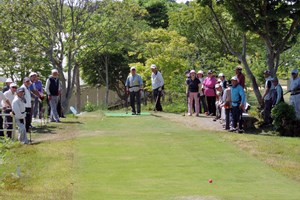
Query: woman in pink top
[209,91]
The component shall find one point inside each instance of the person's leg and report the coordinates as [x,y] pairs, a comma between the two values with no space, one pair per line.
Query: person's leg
[235,116]
[297,105]
[190,104]
[138,102]
[22,131]
[1,126]
[28,119]
[241,121]
[158,105]
[132,102]
[213,99]
[200,104]
[53,105]
[227,119]
[267,111]
[208,100]
[196,100]
[35,107]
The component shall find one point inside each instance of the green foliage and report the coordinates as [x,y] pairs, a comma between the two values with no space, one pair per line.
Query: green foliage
[284,120]
[90,107]
[6,145]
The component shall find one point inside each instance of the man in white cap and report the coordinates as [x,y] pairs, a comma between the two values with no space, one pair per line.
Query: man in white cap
[18,107]
[7,84]
[223,81]
[278,92]
[157,87]
[295,92]
[238,102]
[267,97]
[2,98]
[6,105]
[134,86]
[27,99]
[53,91]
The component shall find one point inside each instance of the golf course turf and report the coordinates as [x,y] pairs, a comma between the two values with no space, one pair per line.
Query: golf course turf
[147,157]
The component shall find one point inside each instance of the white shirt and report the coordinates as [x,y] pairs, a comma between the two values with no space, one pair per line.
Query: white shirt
[294,84]
[9,96]
[2,97]
[157,80]
[268,95]
[27,97]
[18,107]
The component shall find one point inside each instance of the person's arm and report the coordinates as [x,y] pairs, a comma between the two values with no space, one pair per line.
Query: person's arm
[47,87]
[162,82]
[141,82]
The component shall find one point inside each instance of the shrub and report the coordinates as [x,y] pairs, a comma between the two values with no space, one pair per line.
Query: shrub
[284,119]
[90,107]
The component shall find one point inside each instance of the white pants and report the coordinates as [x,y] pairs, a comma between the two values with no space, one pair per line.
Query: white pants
[22,137]
[295,102]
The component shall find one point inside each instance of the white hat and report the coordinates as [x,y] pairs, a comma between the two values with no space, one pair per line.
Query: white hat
[217,85]
[8,80]
[153,66]
[234,78]
[32,74]
[132,68]
[294,71]
[192,71]
[54,71]
[221,74]
[200,72]
[13,85]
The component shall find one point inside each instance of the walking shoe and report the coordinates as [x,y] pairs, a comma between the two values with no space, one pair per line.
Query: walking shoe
[133,113]
[189,114]
[240,131]
[232,130]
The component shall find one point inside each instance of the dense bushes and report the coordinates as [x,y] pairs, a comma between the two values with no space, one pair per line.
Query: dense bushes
[285,121]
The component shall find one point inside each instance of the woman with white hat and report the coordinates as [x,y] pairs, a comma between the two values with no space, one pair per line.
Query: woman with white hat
[193,92]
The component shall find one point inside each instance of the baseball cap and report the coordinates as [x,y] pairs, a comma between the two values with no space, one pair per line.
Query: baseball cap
[234,78]
[239,68]
[20,89]
[294,71]
[187,71]
[8,80]
[32,74]
[192,71]
[54,71]
[200,72]
[217,85]
[267,72]
[153,66]
[210,71]
[221,74]
[26,79]
[13,85]
[132,68]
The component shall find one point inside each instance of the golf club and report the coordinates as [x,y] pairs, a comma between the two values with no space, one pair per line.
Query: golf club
[286,92]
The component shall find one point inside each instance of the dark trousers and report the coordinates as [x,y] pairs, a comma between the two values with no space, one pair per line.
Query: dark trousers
[156,96]
[267,111]
[1,126]
[237,117]
[135,97]
[8,122]
[227,118]
[202,104]
[211,104]
[28,119]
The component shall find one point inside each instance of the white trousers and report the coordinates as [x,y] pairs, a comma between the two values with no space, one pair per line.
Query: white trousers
[295,102]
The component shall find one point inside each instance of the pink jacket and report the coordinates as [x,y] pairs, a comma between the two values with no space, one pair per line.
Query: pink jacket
[209,85]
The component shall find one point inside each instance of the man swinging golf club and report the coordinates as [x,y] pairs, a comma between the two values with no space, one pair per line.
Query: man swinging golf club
[134,85]
[157,87]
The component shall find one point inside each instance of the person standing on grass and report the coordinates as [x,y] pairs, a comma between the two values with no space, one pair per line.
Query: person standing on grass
[209,91]
[2,98]
[219,101]
[238,102]
[134,86]
[53,91]
[295,92]
[193,89]
[27,98]
[267,97]
[7,108]
[157,87]
[18,108]
[278,92]
[223,81]
[240,76]
[202,101]
[227,105]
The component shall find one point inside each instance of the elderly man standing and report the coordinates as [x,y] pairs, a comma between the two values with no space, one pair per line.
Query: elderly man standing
[157,87]
[53,90]
[27,97]
[7,108]
[18,107]
[238,102]
[134,86]
[295,92]
[278,92]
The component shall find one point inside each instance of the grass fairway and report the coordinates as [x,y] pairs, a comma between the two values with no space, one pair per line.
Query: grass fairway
[152,158]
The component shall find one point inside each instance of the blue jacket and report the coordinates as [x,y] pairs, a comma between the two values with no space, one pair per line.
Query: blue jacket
[238,95]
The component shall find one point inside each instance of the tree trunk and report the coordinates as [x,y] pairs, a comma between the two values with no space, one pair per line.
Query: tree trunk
[78,90]
[106,81]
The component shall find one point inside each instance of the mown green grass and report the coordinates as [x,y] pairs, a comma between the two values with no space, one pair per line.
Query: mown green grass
[151,158]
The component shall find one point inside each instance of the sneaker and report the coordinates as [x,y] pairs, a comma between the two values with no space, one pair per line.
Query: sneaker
[232,130]
[189,114]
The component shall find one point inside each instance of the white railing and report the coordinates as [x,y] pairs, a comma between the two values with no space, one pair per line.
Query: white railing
[6,123]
